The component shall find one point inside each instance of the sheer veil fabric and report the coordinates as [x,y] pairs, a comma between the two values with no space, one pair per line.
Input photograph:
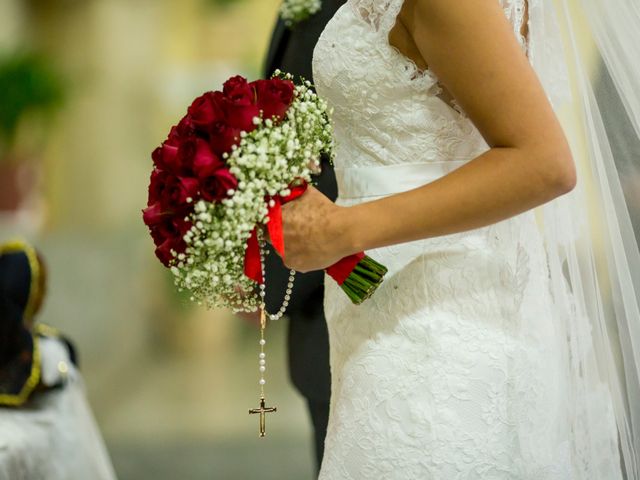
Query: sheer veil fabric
[591,244]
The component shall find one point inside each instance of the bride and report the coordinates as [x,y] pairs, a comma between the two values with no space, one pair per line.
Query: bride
[446,140]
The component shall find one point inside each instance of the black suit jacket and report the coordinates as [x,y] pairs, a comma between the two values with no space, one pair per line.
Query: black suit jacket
[291,50]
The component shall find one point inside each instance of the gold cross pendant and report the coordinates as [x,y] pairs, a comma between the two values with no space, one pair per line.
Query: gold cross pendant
[263,411]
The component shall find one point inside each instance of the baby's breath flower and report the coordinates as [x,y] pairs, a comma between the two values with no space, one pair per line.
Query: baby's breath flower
[294,11]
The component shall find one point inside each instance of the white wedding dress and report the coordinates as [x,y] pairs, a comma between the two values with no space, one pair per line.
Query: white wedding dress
[451,370]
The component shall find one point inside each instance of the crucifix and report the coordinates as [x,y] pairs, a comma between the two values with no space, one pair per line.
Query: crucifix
[263,411]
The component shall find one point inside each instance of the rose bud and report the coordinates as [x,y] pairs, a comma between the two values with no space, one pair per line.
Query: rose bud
[236,84]
[168,235]
[164,156]
[206,109]
[157,234]
[156,185]
[214,184]
[182,163]
[154,214]
[176,192]
[170,227]
[223,137]
[163,251]
[240,104]
[274,97]
[204,158]
[185,128]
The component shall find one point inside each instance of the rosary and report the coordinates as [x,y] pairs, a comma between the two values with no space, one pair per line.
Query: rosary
[292,12]
[262,410]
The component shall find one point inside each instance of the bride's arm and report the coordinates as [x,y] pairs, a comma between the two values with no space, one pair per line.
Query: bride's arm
[471,47]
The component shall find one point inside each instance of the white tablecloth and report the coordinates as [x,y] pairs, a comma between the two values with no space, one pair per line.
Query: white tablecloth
[55,437]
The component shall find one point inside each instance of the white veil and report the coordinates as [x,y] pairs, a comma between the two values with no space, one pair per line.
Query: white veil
[594,84]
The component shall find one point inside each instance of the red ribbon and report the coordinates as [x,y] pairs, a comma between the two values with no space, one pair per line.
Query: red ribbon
[341,270]
[252,267]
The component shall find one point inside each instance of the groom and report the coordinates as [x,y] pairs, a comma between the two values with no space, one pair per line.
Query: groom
[291,50]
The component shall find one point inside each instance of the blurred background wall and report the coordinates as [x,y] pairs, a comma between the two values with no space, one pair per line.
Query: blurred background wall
[170,384]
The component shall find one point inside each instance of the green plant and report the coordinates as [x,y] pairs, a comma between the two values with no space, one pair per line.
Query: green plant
[28,85]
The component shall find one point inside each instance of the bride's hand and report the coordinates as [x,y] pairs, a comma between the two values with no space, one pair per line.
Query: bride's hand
[314,232]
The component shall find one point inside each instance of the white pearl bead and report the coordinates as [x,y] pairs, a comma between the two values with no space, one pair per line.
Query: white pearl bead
[262,381]
[263,341]
[263,368]
[262,362]
[262,355]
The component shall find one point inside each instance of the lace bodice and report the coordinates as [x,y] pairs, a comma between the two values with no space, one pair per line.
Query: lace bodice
[385,108]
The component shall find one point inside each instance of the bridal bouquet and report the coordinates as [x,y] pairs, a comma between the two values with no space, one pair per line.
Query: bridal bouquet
[219,181]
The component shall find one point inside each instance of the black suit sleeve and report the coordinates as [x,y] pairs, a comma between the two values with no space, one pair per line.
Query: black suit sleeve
[277,46]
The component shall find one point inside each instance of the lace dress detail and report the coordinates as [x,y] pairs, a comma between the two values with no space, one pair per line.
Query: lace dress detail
[516,12]
[450,371]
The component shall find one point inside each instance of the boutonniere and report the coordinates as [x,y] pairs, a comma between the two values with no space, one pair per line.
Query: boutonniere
[295,11]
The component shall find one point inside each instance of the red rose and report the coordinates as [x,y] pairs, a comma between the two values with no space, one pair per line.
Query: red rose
[204,158]
[156,185]
[169,235]
[163,250]
[176,192]
[169,228]
[240,104]
[274,97]
[241,116]
[214,183]
[154,214]
[164,157]
[181,160]
[184,128]
[222,137]
[206,109]
[235,86]
[157,234]
[185,155]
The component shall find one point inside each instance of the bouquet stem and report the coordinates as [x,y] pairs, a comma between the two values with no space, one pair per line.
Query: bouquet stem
[358,275]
